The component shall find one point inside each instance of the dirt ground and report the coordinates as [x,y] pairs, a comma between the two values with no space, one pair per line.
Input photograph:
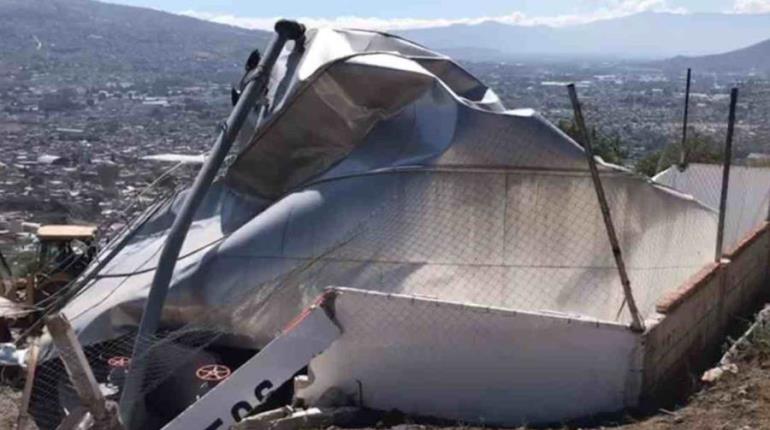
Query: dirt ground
[737,401]
[740,402]
[9,411]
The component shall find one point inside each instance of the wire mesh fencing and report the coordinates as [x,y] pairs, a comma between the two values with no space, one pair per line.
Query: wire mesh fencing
[525,235]
[697,166]
[527,241]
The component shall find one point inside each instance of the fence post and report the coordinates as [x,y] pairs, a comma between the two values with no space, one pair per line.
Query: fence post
[636,320]
[683,151]
[682,162]
[726,175]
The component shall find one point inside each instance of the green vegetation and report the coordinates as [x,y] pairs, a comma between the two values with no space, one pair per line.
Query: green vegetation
[698,149]
[648,165]
[612,149]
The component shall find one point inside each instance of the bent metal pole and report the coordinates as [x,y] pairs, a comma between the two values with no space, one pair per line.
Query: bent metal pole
[256,83]
[636,321]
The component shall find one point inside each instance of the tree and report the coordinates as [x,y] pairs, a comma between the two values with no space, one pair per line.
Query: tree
[703,149]
[698,149]
[612,149]
[648,165]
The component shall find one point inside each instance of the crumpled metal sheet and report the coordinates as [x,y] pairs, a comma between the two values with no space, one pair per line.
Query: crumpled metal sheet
[329,104]
[380,165]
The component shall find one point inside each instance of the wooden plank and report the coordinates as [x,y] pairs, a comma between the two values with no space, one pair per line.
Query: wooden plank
[77,366]
[73,420]
[29,381]
[80,374]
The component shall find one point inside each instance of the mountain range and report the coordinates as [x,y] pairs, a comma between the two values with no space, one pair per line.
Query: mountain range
[102,38]
[641,36]
[754,58]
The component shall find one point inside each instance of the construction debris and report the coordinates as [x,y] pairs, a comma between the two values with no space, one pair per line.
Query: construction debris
[236,397]
[288,418]
[101,415]
[712,375]
[728,361]
[11,356]
[391,235]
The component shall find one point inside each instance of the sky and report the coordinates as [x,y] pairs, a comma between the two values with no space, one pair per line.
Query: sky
[401,14]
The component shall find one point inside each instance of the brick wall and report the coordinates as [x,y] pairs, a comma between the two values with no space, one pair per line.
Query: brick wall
[687,333]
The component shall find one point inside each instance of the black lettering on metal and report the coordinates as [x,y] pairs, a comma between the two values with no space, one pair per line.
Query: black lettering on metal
[215,425]
[259,392]
[240,410]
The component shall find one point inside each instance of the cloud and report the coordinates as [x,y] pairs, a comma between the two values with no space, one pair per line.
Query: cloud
[607,9]
[352,21]
[751,6]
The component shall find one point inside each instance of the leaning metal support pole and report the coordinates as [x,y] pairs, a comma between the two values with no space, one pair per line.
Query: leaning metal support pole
[726,175]
[636,321]
[255,87]
[683,149]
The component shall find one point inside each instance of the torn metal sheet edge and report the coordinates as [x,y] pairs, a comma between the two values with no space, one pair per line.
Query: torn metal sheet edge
[230,401]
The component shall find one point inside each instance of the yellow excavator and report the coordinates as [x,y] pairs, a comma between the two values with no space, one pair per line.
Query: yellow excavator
[64,252]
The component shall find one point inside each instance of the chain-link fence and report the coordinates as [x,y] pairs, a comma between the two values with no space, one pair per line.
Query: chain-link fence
[527,241]
[501,220]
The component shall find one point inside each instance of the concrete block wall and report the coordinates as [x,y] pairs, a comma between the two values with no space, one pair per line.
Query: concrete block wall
[747,272]
[687,332]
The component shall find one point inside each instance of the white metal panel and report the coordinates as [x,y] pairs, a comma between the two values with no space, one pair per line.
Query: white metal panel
[748,196]
[252,383]
[472,364]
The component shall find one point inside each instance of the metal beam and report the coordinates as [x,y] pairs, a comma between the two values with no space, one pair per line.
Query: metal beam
[256,84]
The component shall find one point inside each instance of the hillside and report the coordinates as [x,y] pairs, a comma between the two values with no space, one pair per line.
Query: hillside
[86,37]
[644,35]
[753,58]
